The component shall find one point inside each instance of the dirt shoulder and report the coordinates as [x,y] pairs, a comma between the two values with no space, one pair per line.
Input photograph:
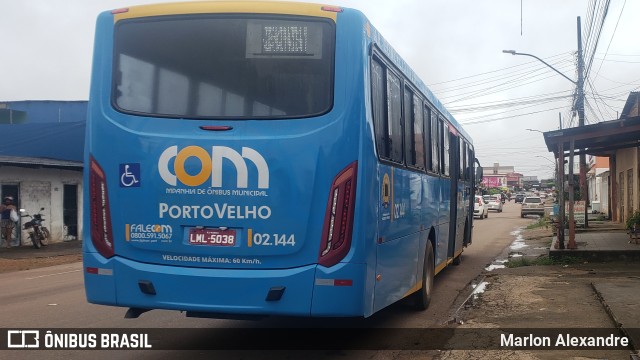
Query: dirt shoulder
[539,297]
[9,265]
[27,257]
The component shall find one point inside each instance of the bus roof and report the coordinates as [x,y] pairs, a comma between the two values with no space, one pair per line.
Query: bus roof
[207,7]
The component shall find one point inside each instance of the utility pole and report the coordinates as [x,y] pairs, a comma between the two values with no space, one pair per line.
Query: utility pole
[561,210]
[559,167]
[584,191]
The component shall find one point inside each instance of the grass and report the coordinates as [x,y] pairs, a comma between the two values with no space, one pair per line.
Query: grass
[541,261]
[542,222]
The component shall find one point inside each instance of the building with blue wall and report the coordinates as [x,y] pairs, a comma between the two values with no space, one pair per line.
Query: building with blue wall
[45,111]
[41,162]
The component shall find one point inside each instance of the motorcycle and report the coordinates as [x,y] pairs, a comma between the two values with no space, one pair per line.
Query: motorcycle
[38,233]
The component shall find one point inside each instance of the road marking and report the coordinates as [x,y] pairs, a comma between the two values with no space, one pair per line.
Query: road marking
[61,273]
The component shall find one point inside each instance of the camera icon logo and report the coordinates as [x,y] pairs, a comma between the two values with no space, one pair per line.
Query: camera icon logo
[23,339]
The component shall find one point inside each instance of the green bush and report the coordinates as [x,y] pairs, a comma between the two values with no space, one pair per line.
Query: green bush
[633,221]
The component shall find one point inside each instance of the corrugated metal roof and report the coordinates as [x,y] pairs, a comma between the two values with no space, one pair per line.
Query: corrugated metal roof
[600,139]
[44,143]
[40,162]
[630,105]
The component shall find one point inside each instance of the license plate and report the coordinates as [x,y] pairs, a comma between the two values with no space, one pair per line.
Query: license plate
[212,237]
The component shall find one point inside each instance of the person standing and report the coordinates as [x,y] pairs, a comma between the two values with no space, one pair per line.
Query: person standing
[6,223]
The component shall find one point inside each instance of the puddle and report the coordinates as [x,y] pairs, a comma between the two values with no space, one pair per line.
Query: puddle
[518,243]
[478,289]
[494,266]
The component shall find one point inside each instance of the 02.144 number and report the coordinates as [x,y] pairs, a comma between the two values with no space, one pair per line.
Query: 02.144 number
[274,239]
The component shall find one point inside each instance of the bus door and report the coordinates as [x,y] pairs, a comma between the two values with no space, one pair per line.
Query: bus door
[457,213]
[466,152]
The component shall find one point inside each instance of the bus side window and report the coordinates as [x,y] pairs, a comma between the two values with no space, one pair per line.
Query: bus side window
[379,108]
[418,131]
[444,135]
[463,158]
[427,137]
[413,130]
[409,140]
[394,116]
[435,143]
[474,167]
[467,163]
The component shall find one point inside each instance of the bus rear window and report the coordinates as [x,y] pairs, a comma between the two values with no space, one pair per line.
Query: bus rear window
[224,66]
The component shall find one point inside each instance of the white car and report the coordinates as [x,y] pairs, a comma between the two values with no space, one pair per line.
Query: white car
[532,205]
[480,208]
[494,202]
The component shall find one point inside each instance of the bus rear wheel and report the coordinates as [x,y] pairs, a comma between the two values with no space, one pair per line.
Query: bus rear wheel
[423,296]
[457,260]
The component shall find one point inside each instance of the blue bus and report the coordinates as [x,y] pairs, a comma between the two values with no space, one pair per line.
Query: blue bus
[266,158]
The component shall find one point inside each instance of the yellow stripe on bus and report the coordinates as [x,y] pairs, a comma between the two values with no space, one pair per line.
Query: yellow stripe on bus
[250,239]
[209,7]
[438,268]
[415,288]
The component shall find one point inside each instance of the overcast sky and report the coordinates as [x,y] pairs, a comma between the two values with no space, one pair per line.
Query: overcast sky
[455,46]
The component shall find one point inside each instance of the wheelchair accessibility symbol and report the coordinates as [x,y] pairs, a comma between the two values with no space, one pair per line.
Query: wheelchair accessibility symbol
[129,175]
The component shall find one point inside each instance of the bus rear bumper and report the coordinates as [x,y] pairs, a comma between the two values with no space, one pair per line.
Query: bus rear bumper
[224,291]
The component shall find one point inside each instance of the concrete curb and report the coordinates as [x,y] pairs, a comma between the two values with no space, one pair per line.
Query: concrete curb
[619,325]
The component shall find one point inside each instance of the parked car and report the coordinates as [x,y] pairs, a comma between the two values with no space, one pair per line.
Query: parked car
[494,202]
[519,198]
[532,205]
[480,208]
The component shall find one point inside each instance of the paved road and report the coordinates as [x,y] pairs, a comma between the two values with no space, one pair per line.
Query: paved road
[54,298]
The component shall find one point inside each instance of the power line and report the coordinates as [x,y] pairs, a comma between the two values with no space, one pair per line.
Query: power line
[500,80]
[472,122]
[501,105]
[492,71]
[612,36]
[506,85]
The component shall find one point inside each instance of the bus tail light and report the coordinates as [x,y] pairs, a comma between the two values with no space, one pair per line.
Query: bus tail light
[101,232]
[336,9]
[338,219]
[120,11]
